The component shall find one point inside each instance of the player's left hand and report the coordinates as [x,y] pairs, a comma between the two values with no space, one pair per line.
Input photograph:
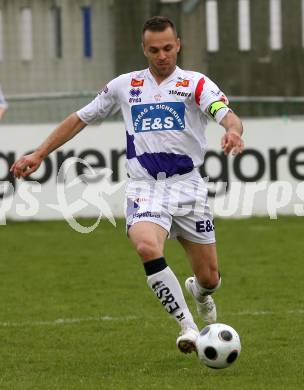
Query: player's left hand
[232,142]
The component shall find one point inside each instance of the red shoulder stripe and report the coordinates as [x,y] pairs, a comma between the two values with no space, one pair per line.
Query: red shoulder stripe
[199,89]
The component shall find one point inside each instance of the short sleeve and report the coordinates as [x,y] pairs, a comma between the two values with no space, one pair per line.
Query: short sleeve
[206,94]
[106,103]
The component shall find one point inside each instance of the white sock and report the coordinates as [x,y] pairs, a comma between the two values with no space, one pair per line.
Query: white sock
[200,292]
[168,290]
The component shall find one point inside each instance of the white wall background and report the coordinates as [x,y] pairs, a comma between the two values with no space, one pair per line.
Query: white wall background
[285,195]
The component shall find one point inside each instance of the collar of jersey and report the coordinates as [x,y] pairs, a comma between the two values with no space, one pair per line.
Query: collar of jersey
[172,76]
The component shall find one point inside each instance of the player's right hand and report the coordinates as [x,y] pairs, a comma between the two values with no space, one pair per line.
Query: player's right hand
[26,165]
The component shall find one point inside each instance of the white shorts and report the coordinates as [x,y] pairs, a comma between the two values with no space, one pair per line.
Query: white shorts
[179,205]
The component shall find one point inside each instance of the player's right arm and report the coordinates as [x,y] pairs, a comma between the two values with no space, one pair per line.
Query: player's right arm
[105,104]
[66,130]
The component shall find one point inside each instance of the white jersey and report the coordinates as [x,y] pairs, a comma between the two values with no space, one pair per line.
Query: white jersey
[165,123]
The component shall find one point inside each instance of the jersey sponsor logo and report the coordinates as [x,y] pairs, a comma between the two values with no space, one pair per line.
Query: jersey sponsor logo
[136,202]
[145,214]
[137,83]
[205,226]
[179,93]
[157,97]
[141,200]
[183,83]
[158,116]
[219,94]
[135,92]
[216,93]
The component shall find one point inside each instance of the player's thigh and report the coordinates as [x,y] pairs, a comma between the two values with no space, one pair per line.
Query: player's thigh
[148,239]
[193,219]
[203,261]
[195,227]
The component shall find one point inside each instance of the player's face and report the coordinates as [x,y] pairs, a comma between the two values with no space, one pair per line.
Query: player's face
[161,49]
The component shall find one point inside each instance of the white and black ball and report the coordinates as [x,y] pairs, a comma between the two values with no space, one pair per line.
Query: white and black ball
[218,345]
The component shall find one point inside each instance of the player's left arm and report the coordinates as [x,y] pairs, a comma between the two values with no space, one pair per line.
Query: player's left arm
[214,103]
[232,141]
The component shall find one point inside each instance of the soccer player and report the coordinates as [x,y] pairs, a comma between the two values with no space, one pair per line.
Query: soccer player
[3,104]
[165,111]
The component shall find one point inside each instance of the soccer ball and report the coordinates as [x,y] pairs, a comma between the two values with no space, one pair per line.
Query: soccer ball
[218,345]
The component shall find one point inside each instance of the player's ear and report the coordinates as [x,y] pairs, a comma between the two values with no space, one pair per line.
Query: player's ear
[143,48]
[178,42]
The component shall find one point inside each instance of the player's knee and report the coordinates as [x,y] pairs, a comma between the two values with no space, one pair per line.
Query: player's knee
[210,279]
[148,250]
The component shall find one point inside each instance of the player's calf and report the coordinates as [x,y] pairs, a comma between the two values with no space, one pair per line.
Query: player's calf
[167,289]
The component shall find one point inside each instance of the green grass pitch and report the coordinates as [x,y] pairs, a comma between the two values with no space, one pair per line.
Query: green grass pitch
[76,312]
